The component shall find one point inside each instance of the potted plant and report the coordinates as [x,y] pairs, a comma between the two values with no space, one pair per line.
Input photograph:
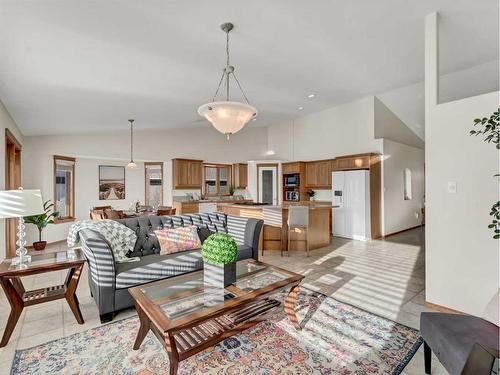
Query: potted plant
[232,189]
[311,194]
[41,221]
[219,252]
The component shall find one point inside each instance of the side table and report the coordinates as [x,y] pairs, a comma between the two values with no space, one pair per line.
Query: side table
[18,297]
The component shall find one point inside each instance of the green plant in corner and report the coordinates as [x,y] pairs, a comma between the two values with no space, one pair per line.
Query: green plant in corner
[232,189]
[219,248]
[42,220]
[490,129]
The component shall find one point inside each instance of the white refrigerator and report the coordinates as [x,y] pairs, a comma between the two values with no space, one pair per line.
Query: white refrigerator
[351,193]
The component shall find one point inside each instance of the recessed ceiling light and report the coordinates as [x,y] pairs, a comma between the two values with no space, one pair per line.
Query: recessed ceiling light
[301,108]
[311,96]
[254,119]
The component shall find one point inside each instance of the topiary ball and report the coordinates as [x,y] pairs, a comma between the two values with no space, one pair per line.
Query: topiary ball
[219,248]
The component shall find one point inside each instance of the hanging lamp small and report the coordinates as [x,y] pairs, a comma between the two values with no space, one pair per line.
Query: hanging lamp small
[227,116]
[131,164]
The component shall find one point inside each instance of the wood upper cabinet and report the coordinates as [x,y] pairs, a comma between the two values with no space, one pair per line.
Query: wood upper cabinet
[187,174]
[240,175]
[290,168]
[361,161]
[319,174]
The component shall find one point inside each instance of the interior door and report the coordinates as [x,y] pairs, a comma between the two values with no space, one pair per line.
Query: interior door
[12,181]
[268,184]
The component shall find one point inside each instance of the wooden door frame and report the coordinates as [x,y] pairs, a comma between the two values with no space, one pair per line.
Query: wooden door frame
[16,175]
[146,180]
[276,179]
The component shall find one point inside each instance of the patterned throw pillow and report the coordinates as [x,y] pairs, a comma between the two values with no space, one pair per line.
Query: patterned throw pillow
[173,240]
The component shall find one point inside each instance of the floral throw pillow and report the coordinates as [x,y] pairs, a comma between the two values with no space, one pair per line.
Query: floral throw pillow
[173,240]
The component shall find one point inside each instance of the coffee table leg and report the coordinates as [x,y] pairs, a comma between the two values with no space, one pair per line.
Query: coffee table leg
[71,284]
[143,329]
[173,355]
[16,306]
[290,307]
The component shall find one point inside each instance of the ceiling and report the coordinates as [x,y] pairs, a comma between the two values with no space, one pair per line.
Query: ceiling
[80,66]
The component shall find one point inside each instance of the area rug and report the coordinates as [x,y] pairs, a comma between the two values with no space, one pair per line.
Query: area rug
[336,339]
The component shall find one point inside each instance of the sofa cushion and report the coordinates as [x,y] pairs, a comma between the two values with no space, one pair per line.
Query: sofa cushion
[451,337]
[173,240]
[156,266]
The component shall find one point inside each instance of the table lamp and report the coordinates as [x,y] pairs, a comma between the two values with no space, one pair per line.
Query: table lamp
[20,203]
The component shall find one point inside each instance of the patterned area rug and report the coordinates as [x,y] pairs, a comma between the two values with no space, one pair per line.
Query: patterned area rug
[336,339]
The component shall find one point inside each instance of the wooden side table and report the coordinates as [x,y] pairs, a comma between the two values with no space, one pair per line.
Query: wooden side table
[10,278]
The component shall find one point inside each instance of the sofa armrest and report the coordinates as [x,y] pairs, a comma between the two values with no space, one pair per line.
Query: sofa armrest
[245,231]
[102,271]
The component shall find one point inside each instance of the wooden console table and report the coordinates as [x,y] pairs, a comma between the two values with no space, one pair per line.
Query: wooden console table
[18,297]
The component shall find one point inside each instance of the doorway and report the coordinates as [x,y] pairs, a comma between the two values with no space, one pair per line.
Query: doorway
[12,182]
[267,183]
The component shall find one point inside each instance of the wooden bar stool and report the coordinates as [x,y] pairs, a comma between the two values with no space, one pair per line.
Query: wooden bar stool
[298,218]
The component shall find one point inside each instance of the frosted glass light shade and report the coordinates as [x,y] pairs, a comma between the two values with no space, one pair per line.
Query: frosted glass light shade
[131,165]
[19,203]
[227,117]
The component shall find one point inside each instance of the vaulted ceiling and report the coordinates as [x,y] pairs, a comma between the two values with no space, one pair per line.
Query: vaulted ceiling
[80,66]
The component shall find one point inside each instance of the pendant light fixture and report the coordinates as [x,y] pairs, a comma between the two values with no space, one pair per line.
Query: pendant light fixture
[131,164]
[227,116]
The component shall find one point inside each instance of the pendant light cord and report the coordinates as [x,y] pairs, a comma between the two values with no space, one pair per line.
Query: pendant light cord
[226,72]
[131,140]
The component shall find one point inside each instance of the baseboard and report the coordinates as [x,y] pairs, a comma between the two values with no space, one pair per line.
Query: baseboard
[443,309]
[401,231]
[48,243]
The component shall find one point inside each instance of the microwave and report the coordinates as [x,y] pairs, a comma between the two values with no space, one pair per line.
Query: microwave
[291,180]
[292,196]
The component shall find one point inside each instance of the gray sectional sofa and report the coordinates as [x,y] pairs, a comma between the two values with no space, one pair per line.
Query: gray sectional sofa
[109,281]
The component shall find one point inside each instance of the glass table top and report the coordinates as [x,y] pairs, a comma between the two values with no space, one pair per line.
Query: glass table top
[182,295]
[43,260]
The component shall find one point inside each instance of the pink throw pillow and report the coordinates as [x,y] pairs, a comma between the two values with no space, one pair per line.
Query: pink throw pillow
[173,240]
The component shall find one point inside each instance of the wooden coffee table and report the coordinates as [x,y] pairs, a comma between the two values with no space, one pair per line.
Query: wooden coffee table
[10,278]
[188,317]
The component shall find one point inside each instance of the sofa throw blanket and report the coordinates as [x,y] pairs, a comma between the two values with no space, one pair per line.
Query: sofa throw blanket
[120,238]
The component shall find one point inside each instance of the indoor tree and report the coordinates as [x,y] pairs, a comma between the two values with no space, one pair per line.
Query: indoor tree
[489,128]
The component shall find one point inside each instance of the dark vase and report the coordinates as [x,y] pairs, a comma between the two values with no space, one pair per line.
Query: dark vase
[39,245]
[219,275]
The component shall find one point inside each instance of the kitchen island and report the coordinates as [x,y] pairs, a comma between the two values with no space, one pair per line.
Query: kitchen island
[275,234]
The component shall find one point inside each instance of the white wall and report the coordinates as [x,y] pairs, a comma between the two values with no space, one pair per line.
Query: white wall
[6,122]
[462,259]
[92,150]
[342,130]
[399,214]
[389,126]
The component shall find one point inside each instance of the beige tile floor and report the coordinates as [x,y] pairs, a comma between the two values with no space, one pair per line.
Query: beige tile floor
[386,277]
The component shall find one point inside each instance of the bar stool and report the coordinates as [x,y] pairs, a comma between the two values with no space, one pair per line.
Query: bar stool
[273,216]
[298,218]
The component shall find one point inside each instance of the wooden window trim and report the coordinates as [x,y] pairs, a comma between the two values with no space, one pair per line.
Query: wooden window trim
[146,197]
[229,178]
[71,217]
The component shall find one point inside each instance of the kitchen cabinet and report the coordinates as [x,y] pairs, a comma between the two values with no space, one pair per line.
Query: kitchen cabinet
[318,174]
[187,174]
[361,161]
[290,168]
[240,175]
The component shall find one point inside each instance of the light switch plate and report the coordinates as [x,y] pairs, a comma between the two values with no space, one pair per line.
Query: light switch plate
[452,187]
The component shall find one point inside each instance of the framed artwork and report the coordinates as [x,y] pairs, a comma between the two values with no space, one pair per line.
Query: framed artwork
[111,182]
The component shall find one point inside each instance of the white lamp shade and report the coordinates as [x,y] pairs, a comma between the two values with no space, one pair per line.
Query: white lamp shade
[228,117]
[131,165]
[19,203]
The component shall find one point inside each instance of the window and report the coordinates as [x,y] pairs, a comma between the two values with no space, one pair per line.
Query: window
[154,184]
[407,184]
[64,187]
[217,179]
